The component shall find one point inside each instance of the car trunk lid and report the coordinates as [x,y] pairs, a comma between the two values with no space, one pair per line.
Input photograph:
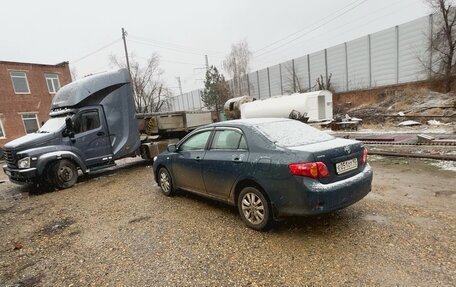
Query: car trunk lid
[342,157]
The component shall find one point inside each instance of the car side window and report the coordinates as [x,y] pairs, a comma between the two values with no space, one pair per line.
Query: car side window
[86,121]
[243,143]
[228,139]
[195,142]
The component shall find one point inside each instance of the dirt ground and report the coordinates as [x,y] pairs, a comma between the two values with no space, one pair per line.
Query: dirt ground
[117,229]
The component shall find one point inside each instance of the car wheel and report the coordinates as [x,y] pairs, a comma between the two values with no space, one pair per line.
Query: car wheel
[165,181]
[254,209]
[63,174]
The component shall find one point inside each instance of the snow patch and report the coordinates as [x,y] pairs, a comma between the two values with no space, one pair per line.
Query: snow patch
[445,165]
[288,133]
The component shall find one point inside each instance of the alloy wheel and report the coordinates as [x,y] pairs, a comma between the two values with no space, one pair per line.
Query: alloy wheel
[164,182]
[253,208]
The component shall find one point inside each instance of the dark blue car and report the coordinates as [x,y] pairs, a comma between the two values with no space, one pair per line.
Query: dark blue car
[269,168]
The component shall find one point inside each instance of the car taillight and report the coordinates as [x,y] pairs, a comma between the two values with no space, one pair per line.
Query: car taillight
[364,156]
[309,169]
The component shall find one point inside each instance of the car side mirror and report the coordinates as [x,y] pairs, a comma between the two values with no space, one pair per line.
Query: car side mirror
[172,148]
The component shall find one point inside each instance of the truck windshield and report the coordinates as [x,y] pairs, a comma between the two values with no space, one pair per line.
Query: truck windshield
[52,125]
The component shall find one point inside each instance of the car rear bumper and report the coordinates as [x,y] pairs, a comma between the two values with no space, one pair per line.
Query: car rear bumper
[20,176]
[315,198]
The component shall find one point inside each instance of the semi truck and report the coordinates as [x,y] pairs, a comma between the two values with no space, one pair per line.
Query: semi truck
[92,123]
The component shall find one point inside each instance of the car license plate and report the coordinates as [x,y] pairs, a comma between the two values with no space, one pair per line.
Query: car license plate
[8,173]
[347,165]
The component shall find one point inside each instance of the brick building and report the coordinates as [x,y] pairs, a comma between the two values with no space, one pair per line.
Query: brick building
[26,92]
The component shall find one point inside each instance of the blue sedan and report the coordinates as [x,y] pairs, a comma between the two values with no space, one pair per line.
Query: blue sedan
[268,168]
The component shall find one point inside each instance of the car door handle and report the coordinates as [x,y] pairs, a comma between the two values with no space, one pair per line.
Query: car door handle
[236,160]
[198,158]
[100,134]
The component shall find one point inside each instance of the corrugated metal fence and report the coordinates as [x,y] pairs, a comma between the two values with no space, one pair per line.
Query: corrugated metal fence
[388,57]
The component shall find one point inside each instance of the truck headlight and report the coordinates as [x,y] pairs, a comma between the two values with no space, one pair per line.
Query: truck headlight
[24,162]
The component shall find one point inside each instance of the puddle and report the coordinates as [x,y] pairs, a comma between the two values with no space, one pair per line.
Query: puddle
[57,226]
[376,218]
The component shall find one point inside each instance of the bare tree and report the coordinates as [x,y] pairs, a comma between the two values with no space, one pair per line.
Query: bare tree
[296,85]
[150,92]
[151,95]
[442,42]
[236,64]
[74,74]
[325,84]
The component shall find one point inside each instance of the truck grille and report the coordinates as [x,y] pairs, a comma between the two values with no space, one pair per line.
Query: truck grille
[10,157]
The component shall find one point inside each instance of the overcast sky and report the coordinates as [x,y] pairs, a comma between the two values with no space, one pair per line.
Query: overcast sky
[182,32]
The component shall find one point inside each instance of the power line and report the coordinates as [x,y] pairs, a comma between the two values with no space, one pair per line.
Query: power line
[179,50]
[171,61]
[301,30]
[312,30]
[174,45]
[165,48]
[339,27]
[96,51]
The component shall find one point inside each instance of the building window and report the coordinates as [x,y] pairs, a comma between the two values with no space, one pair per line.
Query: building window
[30,122]
[53,83]
[20,82]
[2,130]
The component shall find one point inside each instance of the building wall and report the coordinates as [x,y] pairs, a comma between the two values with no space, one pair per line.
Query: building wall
[38,101]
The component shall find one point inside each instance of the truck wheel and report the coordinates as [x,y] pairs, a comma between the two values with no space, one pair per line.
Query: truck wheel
[63,174]
[254,209]
[165,181]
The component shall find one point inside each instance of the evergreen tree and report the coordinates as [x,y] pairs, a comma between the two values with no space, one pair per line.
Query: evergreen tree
[216,91]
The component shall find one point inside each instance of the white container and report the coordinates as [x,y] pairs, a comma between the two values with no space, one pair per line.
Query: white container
[317,105]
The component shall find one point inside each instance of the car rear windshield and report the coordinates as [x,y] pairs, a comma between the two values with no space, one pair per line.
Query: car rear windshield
[290,133]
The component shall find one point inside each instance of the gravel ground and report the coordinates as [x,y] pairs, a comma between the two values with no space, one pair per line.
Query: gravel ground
[117,229]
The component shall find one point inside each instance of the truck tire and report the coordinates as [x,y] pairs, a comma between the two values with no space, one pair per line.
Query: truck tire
[63,174]
[254,209]
[165,182]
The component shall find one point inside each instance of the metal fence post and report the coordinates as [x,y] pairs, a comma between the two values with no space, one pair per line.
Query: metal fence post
[346,67]
[188,100]
[397,54]
[258,83]
[326,65]
[308,71]
[281,84]
[294,75]
[369,50]
[248,84]
[431,35]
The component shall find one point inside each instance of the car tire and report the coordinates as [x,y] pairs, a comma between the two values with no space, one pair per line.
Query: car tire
[165,182]
[254,209]
[63,174]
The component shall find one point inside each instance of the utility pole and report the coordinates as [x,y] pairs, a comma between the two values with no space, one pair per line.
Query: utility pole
[180,94]
[207,62]
[180,84]
[124,34]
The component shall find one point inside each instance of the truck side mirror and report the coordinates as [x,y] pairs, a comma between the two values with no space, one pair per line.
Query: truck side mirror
[172,148]
[68,131]
[69,123]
